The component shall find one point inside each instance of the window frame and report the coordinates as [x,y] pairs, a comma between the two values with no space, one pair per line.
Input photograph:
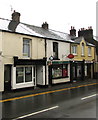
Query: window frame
[27,46]
[89,51]
[82,49]
[74,49]
[55,50]
[24,75]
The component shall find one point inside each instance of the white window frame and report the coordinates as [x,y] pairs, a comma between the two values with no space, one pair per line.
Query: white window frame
[24,82]
[82,49]
[89,51]
[74,49]
[28,45]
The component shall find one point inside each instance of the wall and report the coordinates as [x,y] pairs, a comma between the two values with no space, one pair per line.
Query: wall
[13,46]
[63,49]
[79,57]
[1,65]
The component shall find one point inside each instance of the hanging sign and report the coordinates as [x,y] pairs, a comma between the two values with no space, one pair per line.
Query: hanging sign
[70,56]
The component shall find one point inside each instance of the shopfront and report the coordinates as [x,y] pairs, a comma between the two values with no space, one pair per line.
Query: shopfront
[77,70]
[25,72]
[59,72]
[89,69]
[81,70]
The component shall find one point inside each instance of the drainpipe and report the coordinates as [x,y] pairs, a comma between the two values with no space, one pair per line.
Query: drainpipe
[46,62]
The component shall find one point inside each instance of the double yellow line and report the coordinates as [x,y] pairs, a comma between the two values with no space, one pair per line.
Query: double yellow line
[17,98]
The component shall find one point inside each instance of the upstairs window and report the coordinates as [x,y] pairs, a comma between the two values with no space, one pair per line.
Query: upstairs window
[26,47]
[55,50]
[82,50]
[89,51]
[74,49]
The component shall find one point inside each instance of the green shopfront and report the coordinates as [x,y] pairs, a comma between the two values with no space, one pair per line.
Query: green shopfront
[59,72]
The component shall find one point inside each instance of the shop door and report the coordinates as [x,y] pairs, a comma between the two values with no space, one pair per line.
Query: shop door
[7,77]
[76,72]
[79,72]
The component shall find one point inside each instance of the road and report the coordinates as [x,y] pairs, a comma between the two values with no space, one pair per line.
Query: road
[79,102]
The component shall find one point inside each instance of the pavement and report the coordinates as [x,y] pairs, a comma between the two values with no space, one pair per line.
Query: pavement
[28,91]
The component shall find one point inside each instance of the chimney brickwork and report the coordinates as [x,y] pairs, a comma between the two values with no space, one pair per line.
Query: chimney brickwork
[86,33]
[72,31]
[14,22]
[45,26]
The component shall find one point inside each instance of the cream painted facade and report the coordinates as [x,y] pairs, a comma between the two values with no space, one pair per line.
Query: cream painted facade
[63,49]
[63,52]
[11,44]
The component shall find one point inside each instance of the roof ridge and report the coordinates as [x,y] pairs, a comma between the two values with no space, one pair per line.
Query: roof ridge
[5,19]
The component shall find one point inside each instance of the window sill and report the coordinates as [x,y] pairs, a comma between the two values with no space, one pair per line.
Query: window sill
[26,57]
[75,54]
[89,56]
[82,55]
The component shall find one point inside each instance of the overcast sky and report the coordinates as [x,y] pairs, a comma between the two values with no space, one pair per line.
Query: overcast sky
[60,14]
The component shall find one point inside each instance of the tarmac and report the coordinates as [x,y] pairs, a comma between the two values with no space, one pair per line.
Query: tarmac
[34,90]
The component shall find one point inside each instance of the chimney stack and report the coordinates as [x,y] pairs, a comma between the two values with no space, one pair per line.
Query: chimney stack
[86,33]
[73,31]
[15,21]
[45,26]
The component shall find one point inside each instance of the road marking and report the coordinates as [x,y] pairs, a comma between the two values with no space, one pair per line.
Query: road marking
[88,97]
[31,114]
[43,93]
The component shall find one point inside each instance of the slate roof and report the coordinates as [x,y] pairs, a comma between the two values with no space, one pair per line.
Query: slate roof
[77,40]
[27,29]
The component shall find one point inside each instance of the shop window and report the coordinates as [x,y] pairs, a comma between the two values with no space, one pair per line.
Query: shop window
[23,74]
[74,49]
[28,74]
[26,47]
[19,75]
[55,50]
[60,71]
[65,70]
[57,71]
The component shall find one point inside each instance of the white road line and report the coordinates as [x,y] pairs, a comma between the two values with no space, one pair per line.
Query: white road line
[88,97]
[36,113]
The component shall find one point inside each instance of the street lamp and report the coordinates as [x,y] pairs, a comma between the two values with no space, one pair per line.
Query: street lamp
[51,58]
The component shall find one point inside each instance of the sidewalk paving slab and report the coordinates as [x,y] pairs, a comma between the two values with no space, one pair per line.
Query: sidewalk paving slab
[28,91]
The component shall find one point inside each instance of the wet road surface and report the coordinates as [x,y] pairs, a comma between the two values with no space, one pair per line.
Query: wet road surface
[72,103]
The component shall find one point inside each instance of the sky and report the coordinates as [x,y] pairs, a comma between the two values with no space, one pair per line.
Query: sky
[59,14]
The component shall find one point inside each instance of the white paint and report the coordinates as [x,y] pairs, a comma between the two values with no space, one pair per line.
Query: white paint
[88,97]
[61,80]
[40,75]
[21,85]
[63,49]
[45,110]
